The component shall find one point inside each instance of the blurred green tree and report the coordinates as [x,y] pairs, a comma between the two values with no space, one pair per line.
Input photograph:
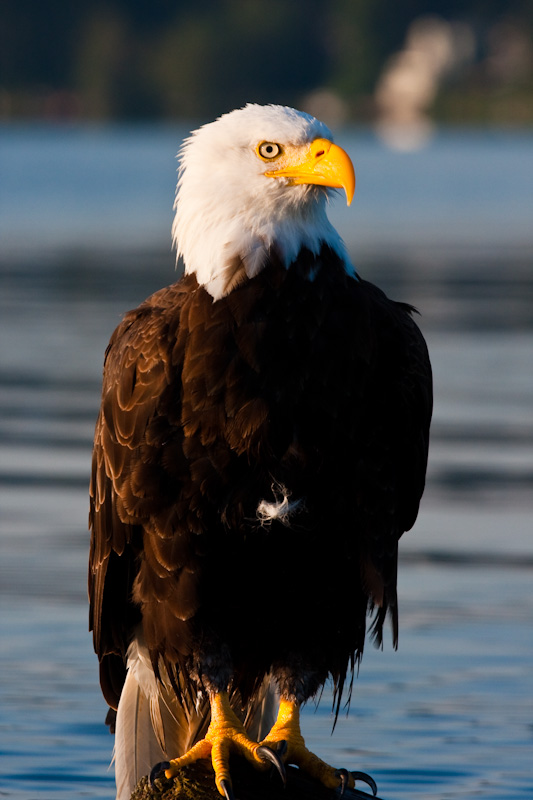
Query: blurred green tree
[128,59]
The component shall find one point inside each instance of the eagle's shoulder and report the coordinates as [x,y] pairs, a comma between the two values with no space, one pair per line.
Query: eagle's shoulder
[153,319]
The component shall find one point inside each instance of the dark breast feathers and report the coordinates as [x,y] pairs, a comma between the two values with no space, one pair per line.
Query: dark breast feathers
[313,392]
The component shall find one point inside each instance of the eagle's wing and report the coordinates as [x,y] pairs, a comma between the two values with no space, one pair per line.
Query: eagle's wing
[409,398]
[396,455]
[415,404]
[138,368]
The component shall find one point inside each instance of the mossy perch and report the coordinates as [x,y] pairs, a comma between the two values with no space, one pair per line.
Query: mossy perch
[196,782]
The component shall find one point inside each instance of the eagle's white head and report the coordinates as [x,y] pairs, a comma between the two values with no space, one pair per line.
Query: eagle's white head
[256,178]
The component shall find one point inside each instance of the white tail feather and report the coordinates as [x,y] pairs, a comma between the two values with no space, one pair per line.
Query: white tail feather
[262,714]
[153,726]
[136,746]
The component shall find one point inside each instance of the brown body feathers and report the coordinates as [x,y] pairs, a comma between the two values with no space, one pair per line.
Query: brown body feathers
[303,385]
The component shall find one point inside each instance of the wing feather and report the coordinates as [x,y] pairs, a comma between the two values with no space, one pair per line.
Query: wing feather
[140,364]
[395,457]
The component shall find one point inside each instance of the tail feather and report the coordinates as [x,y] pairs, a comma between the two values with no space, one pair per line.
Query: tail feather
[262,711]
[152,725]
[136,746]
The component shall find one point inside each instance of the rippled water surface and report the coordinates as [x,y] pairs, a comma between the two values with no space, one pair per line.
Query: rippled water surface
[450,714]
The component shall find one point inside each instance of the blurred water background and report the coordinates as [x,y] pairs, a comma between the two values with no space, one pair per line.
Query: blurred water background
[85,214]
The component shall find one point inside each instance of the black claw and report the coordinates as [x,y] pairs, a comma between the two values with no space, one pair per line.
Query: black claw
[156,771]
[368,779]
[344,775]
[227,789]
[282,748]
[267,754]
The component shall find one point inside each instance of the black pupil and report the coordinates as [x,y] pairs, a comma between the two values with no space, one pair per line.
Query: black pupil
[270,149]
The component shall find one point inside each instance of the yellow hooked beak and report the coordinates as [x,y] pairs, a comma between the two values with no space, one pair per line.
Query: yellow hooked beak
[321,162]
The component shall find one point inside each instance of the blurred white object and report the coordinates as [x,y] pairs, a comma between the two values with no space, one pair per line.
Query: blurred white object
[410,79]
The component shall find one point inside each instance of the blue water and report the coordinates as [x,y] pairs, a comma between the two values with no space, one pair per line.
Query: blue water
[115,186]
[85,215]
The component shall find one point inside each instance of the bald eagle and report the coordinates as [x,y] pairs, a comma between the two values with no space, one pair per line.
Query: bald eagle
[260,449]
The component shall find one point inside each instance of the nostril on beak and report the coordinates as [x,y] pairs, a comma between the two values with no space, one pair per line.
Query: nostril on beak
[320,153]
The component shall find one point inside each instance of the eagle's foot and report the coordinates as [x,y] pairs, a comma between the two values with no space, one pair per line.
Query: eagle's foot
[225,734]
[287,737]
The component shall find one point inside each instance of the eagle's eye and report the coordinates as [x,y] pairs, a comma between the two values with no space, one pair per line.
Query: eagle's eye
[268,150]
